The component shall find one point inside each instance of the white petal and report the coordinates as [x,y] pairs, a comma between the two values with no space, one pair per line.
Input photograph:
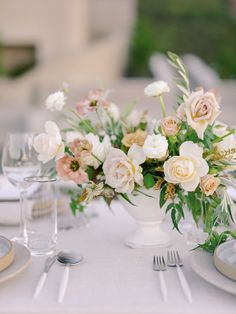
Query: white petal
[51,128]
[191,186]
[204,168]
[190,149]
[136,153]
[60,152]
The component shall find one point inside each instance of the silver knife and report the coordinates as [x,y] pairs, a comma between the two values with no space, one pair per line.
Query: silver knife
[48,264]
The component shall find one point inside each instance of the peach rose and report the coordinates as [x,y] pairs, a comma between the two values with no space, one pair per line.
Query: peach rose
[80,145]
[200,109]
[209,184]
[169,126]
[137,137]
[69,168]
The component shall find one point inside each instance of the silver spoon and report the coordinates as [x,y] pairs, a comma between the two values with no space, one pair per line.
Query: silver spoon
[67,258]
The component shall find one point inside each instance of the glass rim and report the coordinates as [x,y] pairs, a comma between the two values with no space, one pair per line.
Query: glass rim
[42,179]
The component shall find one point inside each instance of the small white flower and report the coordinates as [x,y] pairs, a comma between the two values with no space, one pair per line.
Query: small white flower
[49,145]
[187,168]
[155,146]
[156,89]
[56,101]
[99,150]
[114,112]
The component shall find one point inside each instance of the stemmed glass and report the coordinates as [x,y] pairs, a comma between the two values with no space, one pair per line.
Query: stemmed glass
[19,160]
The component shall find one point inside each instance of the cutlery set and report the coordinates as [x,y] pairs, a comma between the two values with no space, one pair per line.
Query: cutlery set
[173,260]
[65,257]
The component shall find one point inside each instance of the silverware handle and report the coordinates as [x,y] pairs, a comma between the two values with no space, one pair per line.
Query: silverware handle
[163,286]
[184,284]
[63,285]
[40,285]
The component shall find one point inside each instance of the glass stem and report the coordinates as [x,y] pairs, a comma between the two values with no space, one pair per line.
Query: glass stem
[22,214]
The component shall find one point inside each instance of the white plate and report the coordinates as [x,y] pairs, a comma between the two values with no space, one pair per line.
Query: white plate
[202,263]
[21,261]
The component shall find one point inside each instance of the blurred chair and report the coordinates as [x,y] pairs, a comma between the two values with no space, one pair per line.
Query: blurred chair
[201,74]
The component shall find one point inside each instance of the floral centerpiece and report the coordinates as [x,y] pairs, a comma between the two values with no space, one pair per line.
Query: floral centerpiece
[187,156]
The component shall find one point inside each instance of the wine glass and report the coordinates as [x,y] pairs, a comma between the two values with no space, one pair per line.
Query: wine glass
[19,160]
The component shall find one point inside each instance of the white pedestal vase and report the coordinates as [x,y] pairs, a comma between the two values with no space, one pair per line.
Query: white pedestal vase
[148,216]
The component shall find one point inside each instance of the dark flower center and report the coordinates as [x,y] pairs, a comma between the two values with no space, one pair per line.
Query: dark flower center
[74,166]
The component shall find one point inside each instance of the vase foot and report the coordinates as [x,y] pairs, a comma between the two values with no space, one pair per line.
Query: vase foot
[144,237]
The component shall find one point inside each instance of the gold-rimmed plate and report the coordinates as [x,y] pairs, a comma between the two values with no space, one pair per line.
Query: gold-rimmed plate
[21,261]
[7,253]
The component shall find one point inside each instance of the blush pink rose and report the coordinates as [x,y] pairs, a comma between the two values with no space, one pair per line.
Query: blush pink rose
[200,109]
[69,168]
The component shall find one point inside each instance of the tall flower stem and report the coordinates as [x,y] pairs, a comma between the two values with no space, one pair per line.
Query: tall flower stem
[163,108]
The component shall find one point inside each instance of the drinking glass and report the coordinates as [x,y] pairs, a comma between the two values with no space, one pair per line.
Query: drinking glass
[19,160]
[40,213]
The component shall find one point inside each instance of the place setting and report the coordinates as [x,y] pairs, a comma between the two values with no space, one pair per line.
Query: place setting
[171,175]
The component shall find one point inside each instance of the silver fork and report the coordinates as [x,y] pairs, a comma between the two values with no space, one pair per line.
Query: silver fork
[174,260]
[160,266]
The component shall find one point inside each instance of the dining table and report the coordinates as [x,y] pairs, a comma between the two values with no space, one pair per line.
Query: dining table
[113,278]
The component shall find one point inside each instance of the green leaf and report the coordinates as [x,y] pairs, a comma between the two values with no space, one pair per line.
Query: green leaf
[90,172]
[174,219]
[149,181]
[162,196]
[169,207]
[125,196]
[73,206]
[194,204]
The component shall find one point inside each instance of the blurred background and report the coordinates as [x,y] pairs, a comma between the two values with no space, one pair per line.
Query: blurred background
[119,45]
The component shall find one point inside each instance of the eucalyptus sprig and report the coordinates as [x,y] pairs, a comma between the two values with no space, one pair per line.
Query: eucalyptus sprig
[182,81]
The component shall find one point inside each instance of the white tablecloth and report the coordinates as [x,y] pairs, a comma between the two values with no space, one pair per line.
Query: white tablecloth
[113,278]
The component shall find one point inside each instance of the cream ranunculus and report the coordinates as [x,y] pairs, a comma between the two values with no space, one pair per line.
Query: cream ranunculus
[156,89]
[155,146]
[187,168]
[169,126]
[49,145]
[56,101]
[99,150]
[123,171]
[209,184]
[200,109]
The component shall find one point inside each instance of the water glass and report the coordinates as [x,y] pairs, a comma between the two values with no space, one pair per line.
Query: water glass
[19,160]
[40,215]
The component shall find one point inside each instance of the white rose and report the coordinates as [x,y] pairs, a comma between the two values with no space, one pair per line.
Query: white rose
[200,109]
[49,145]
[155,146]
[56,101]
[114,112]
[73,135]
[227,146]
[123,171]
[156,89]
[99,150]
[187,168]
